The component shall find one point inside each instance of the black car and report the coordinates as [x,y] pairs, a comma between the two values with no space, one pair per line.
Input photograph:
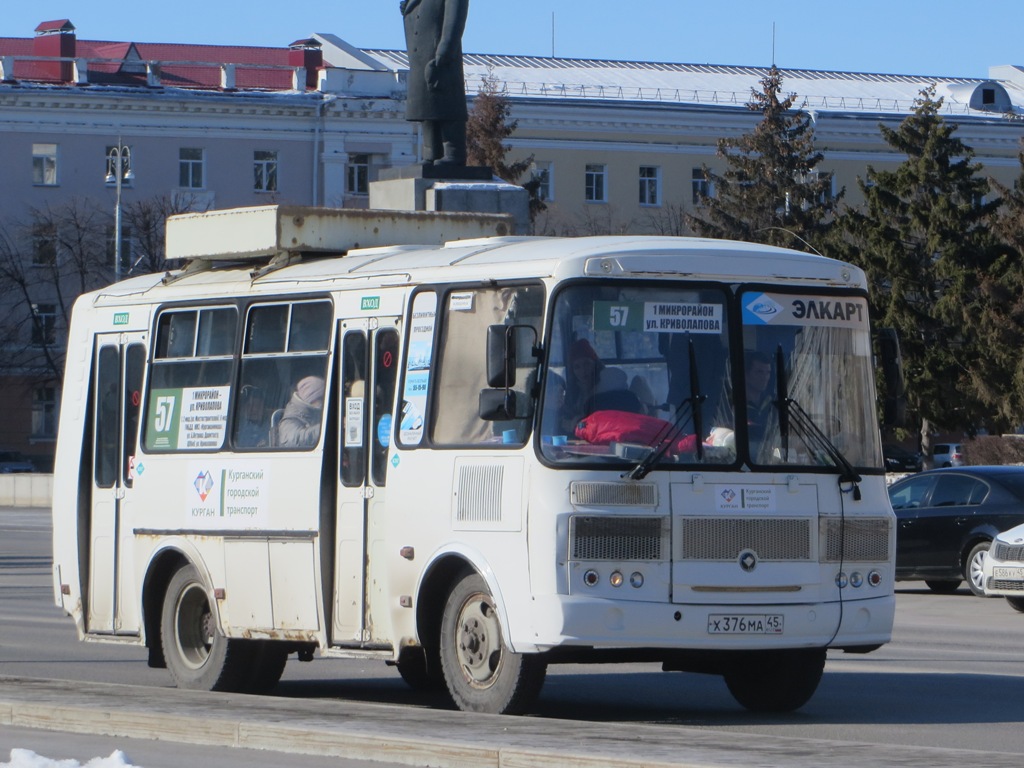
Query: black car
[899,459]
[947,519]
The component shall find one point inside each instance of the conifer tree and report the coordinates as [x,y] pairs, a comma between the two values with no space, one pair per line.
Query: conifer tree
[489,124]
[1000,378]
[770,191]
[923,238]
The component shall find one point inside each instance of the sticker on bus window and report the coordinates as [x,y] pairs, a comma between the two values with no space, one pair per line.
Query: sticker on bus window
[789,309]
[658,316]
[187,419]
[461,302]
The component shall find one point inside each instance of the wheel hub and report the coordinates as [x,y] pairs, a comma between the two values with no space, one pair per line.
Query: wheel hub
[479,642]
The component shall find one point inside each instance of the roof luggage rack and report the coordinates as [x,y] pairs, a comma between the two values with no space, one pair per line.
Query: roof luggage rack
[274,236]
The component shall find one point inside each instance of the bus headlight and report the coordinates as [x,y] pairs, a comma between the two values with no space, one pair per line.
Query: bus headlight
[841,581]
[591,577]
[874,578]
[616,579]
[856,579]
[636,579]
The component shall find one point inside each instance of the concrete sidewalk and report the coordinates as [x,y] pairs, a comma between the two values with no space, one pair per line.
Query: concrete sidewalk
[429,737]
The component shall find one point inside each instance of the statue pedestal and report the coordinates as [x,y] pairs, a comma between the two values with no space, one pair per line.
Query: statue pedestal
[467,189]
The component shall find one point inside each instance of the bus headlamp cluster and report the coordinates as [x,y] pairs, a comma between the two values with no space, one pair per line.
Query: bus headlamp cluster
[857,579]
[592,578]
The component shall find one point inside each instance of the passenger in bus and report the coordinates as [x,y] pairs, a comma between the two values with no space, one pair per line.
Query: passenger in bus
[299,426]
[758,369]
[582,371]
[251,429]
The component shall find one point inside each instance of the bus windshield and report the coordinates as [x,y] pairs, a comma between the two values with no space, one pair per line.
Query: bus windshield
[701,374]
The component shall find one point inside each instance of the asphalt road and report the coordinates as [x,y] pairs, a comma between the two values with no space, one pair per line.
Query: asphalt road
[950,680]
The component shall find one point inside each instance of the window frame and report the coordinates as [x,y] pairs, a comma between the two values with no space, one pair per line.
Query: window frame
[188,166]
[45,164]
[357,174]
[650,186]
[595,185]
[265,170]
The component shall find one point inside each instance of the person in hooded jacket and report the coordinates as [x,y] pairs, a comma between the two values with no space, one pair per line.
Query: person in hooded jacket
[300,423]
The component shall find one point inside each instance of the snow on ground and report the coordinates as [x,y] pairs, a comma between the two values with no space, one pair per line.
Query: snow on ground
[24,758]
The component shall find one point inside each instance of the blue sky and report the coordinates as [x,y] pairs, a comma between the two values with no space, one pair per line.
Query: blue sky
[921,37]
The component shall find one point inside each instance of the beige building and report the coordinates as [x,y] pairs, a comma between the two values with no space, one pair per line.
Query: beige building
[617,144]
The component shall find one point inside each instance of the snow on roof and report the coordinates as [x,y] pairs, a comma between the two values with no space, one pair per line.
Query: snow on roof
[538,77]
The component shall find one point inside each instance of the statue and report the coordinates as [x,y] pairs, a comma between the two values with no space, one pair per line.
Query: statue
[437,86]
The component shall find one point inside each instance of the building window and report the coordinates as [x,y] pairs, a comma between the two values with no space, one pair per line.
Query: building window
[44,324]
[44,245]
[44,165]
[544,174]
[827,182]
[596,184]
[44,413]
[190,168]
[701,186]
[264,165]
[650,185]
[357,177]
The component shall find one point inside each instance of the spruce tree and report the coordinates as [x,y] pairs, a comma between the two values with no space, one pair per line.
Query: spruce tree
[770,191]
[923,238]
[1000,378]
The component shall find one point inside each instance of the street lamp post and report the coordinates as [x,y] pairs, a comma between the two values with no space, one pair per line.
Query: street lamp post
[119,170]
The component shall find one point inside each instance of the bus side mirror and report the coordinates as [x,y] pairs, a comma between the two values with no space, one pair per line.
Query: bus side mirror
[894,409]
[497,405]
[501,356]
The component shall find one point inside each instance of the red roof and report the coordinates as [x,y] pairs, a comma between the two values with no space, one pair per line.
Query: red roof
[183,66]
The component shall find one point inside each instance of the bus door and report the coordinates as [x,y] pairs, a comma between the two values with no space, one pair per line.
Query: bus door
[368,379]
[118,364]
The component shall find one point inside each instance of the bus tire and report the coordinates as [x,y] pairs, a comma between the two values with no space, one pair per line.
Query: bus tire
[198,656]
[417,673]
[266,665]
[776,681]
[481,673]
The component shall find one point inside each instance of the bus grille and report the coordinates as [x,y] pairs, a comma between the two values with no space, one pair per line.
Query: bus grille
[1008,552]
[866,540]
[617,538]
[613,494]
[479,497]
[716,538]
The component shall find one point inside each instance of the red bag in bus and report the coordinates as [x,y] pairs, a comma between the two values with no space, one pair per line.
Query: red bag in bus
[606,427]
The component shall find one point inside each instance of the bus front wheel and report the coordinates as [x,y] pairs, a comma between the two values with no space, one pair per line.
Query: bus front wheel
[198,656]
[775,681]
[481,673]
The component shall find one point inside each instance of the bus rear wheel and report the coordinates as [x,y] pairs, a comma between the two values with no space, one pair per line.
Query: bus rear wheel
[481,673]
[776,681]
[198,656]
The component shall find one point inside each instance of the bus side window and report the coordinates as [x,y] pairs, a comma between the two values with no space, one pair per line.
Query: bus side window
[353,454]
[107,423]
[385,369]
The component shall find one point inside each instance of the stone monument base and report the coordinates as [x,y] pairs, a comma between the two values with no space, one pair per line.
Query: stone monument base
[467,189]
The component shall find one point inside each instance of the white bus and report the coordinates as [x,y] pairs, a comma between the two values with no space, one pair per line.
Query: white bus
[474,459]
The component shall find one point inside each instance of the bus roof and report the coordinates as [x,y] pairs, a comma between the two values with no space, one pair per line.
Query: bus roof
[489,258]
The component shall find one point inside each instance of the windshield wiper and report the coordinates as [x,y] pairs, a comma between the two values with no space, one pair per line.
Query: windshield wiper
[791,414]
[665,437]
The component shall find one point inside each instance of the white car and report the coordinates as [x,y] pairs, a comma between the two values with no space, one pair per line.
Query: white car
[948,455]
[1003,569]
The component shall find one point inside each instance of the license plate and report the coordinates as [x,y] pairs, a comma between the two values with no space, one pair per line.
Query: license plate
[1008,573]
[742,624]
